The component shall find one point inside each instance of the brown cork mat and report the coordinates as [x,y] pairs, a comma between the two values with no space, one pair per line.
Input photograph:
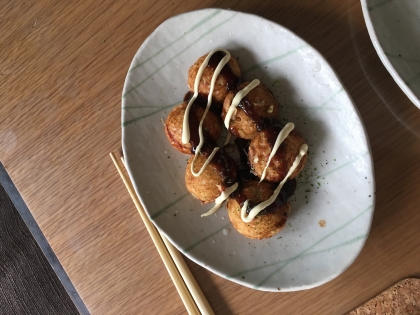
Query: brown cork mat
[401,298]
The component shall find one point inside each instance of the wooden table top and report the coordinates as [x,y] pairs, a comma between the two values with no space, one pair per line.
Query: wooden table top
[62,70]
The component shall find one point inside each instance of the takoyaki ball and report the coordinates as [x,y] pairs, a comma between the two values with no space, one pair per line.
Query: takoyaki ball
[212,126]
[260,150]
[261,108]
[227,78]
[219,174]
[265,224]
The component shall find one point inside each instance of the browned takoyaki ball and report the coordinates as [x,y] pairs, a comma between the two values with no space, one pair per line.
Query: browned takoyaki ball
[264,225]
[261,147]
[219,174]
[228,77]
[261,106]
[212,126]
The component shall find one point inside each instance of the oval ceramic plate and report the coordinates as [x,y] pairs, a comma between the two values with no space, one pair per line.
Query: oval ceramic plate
[333,204]
[393,27]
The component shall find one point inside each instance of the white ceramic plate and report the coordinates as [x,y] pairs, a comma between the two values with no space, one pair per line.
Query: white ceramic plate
[394,28]
[333,205]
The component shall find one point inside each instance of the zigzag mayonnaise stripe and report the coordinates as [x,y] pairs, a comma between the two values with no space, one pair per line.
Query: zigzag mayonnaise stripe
[237,99]
[284,133]
[186,127]
[261,206]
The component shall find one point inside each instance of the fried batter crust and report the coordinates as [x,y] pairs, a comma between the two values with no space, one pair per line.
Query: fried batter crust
[263,225]
[263,103]
[260,149]
[208,186]
[212,127]
[220,90]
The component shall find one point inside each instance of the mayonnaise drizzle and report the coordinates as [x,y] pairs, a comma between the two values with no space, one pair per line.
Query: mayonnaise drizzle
[219,200]
[235,102]
[261,206]
[185,125]
[213,153]
[237,99]
[284,133]
[223,62]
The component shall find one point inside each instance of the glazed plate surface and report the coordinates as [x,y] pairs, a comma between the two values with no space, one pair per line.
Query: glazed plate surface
[394,28]
[332,208]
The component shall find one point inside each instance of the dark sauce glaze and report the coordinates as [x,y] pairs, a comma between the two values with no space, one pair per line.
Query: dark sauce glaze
[245,175]
[243,148]
[201,100]
[231,79]
[260,121]
[232,82]
[194,123]
[286,191]
[272,133]
[223,163]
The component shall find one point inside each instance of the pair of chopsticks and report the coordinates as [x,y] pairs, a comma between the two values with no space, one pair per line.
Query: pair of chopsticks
[191,294]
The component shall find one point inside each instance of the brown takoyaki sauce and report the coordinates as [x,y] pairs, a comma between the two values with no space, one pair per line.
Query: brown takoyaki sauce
[201,101]
[260,122]
[243,147]
[223,163]
[272,133]
[287,190]
[231,79]
[194,123]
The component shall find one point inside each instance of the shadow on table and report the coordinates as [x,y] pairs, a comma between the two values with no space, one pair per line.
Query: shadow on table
[209,288]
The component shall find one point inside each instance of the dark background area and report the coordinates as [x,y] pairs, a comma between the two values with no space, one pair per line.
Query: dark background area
[28,284]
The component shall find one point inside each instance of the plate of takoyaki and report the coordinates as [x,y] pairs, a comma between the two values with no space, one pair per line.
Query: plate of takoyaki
[246,151]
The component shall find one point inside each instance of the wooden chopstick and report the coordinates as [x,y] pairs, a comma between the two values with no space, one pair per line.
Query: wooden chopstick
[188,289]
[189,279]
[157,240]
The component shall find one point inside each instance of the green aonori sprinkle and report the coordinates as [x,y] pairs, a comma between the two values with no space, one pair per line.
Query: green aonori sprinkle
[275,82]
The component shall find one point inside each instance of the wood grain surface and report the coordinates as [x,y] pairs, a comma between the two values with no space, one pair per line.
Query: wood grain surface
[62,70]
